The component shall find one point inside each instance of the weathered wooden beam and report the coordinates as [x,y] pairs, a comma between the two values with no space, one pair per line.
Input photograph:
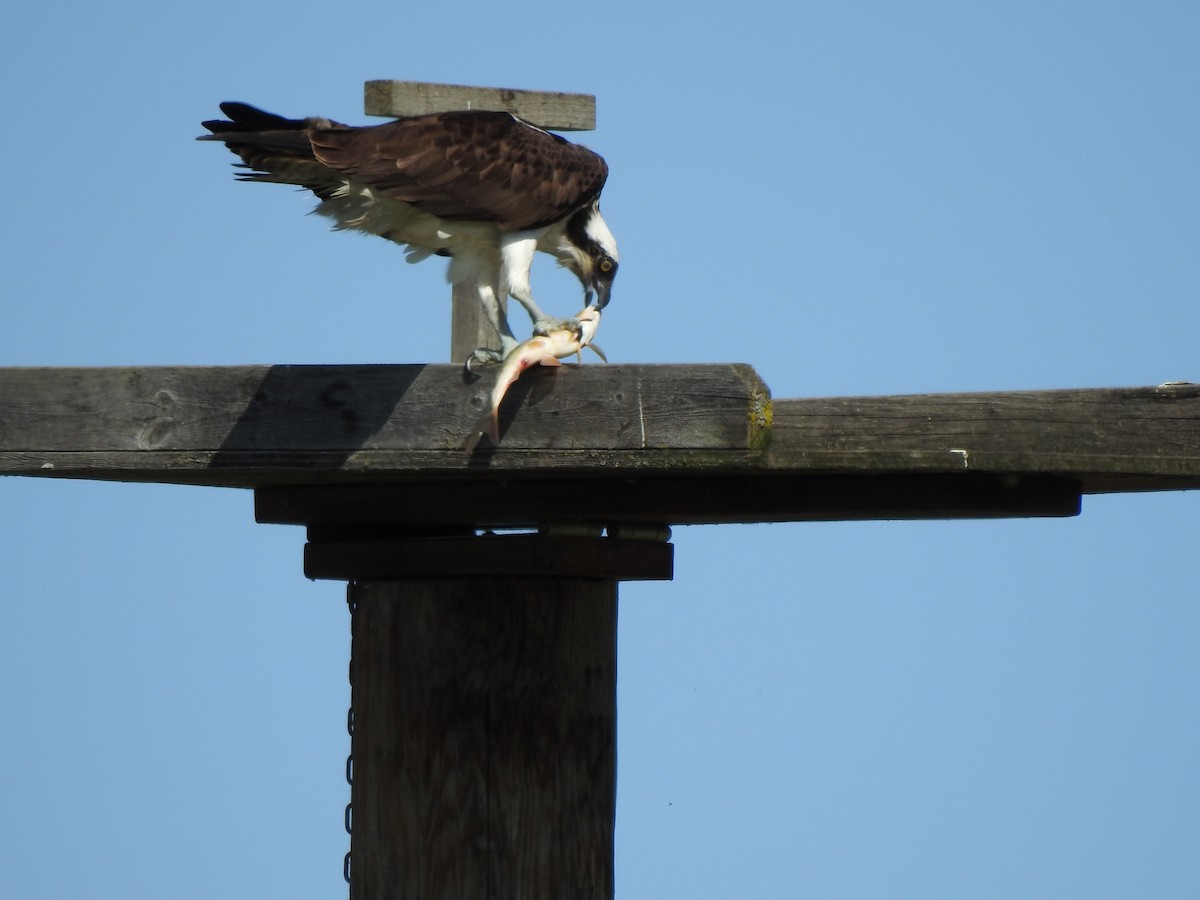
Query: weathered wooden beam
[252,425]
[493,556]
[484,738]
[257,426]
[655,499]
[552,110]
[1121,439]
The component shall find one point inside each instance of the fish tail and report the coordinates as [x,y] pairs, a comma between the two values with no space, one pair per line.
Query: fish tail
[473,440]
[487,425]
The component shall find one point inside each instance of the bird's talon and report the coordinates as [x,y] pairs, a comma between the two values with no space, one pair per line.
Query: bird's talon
[482,356]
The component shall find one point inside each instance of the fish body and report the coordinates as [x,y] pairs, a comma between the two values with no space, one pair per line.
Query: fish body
[539,350]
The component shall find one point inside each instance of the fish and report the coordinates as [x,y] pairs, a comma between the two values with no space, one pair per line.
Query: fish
[539,350]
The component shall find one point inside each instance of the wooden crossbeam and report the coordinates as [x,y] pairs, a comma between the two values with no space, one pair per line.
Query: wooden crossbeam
[484,667]
[262,426]
[489,556]
[654,499]
[252,425]
[552,110]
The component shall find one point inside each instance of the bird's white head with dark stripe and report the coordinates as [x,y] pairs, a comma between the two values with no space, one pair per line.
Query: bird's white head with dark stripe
[589,250]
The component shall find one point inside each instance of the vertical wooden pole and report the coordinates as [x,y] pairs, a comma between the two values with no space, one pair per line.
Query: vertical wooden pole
[484,707]
[484,738]
[469,327]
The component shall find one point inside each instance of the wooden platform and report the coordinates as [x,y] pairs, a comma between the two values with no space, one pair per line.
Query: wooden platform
[484,664]
[624,443]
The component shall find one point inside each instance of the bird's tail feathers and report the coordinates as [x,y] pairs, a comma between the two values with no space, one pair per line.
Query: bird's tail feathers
[243,118]
[249,126]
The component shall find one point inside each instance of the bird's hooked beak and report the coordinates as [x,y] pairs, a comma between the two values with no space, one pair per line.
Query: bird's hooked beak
[600,290]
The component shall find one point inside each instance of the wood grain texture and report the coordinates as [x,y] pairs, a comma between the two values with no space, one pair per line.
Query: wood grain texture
[1119,439]
[469,327]
[555,111]
[221,425]
[257,426]
[484,739]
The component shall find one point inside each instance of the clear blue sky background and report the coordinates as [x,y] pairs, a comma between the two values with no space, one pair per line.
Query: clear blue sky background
[854,197]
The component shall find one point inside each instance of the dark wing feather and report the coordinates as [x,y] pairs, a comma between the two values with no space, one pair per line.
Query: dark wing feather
[244,119]
[273,148]
[487,166]
[468,165]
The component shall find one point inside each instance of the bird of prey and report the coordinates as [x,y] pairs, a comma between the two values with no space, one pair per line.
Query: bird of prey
[483,188]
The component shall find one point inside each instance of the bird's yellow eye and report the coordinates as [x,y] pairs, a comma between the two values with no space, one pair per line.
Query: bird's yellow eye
[606,265]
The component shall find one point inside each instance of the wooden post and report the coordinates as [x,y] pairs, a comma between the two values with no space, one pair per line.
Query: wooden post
[484,738]
[484,713]
[469,327]
[483,664]
[484,707]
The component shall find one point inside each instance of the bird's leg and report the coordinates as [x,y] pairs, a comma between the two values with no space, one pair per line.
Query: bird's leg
[516,258]
[492,308]
[498,317]
[542,323]
[476,277]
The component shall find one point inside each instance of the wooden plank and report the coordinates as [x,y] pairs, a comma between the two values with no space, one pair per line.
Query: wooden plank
[508,555]
[484,738]
[552,110]
[654,499]
[256,426]
[211,425]
[1108,439]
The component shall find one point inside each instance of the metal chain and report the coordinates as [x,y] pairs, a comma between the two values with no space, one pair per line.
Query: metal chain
[350,730]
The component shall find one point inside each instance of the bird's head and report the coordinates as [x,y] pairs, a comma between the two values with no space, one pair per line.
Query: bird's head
[590,251]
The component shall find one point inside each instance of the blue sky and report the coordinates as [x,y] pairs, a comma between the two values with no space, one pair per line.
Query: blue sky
[855,198]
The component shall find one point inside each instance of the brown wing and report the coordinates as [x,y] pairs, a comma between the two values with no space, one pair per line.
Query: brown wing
[467,165]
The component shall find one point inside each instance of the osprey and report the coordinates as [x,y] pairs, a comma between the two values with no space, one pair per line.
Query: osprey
[483,188]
